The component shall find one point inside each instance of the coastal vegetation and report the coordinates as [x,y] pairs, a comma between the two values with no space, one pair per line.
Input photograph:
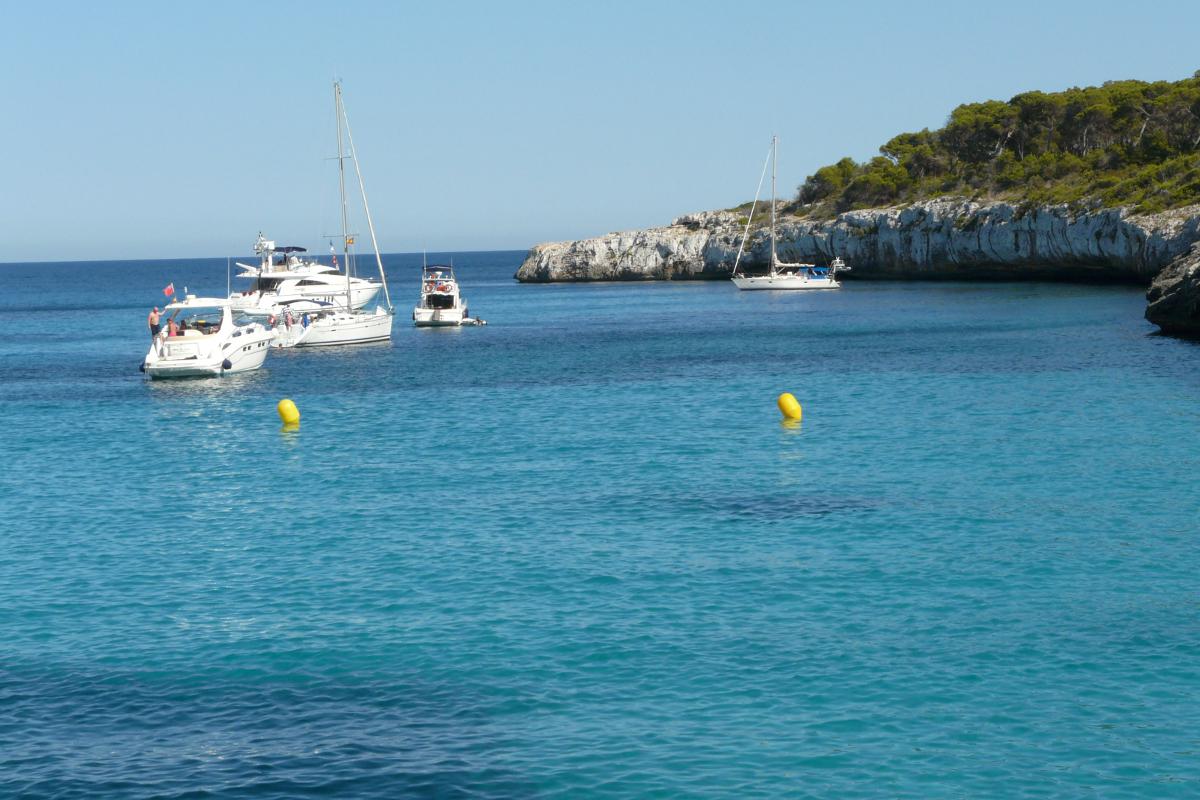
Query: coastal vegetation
[1126,143]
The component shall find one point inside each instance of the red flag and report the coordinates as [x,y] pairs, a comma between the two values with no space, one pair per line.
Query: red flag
[170,290]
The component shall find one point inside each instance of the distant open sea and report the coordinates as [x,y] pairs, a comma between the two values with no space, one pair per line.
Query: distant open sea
[574,554]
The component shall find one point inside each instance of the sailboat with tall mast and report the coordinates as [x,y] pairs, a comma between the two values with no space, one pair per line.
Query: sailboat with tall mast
[308,323]
[782,275]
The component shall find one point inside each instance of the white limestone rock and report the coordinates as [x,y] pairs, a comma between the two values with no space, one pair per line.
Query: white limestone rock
[943,238]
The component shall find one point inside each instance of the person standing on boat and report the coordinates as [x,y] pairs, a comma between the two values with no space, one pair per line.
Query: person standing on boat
[152,321]
[172,328]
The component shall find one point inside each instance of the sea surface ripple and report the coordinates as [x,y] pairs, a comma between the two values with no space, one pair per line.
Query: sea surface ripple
[576,554]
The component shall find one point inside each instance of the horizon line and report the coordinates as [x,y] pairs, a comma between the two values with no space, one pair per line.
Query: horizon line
[215,258]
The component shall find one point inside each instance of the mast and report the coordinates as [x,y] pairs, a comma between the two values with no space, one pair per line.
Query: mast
[774,145]
[362,189]
[337,106]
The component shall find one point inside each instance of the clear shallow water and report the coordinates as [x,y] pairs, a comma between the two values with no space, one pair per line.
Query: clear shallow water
[575,554]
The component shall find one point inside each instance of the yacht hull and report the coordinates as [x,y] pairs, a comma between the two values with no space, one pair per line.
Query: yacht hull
[263,305]
[438,317]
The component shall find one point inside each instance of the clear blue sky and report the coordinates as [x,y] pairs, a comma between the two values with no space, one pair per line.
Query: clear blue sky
[147,130]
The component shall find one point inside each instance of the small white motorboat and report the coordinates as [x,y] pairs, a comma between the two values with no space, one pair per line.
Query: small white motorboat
[202,340]
[441,304]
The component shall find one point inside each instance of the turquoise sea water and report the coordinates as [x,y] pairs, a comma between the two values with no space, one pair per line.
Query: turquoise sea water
[575,553]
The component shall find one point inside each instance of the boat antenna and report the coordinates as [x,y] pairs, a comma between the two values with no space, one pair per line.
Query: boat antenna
[749,219]
[228,286]
[362,189]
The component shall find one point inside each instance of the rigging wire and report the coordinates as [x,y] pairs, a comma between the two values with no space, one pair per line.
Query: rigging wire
[749,219]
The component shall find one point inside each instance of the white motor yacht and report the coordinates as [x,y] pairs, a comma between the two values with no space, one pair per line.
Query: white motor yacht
[780,274]
[441,303]
[284,275]
[201,339]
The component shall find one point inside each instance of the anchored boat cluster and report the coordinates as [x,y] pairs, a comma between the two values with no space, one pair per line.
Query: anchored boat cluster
[295,300]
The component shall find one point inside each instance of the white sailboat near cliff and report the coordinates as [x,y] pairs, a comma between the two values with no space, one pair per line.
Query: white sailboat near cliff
[308,323]
[782,275]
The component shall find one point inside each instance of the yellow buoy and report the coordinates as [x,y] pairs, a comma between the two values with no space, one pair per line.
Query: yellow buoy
[289,413]
[788,405]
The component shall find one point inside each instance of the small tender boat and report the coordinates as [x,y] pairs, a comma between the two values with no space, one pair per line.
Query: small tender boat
[201,339]
[285,276]
[780,274]
[441,304]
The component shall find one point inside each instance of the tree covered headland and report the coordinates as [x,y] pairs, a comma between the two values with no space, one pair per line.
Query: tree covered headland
[1126,143]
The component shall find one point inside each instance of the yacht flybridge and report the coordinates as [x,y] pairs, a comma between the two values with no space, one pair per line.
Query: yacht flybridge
[780,274]
[284,275]
[201,339]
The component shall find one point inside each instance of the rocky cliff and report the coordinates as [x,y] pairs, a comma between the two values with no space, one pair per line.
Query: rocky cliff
[931,239]
[1173,302]
[940,239]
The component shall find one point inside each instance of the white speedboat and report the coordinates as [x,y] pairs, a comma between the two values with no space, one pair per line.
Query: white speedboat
[325,320]
[780,274]
[201,339]
[285,276]
[441,304]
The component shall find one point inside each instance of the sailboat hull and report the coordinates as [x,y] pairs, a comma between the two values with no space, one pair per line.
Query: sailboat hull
[342,328]
[783,282]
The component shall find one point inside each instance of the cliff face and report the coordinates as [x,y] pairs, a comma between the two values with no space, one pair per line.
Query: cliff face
[948,238]
[1173,302]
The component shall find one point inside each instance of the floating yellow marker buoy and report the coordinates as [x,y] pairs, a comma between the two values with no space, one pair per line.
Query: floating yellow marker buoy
[788,405]
[289,413]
